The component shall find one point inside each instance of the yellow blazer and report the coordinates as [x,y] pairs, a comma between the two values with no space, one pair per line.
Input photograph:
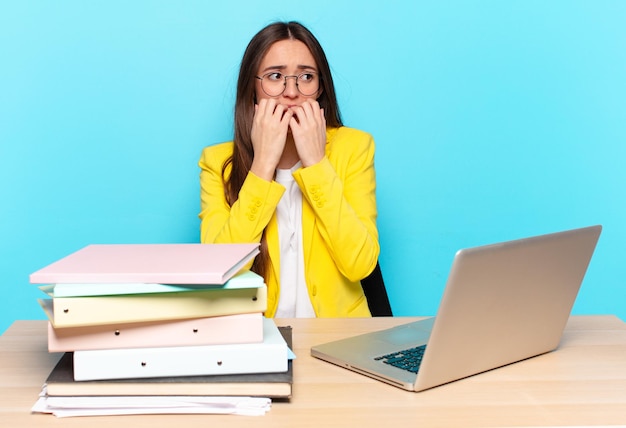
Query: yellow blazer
[339,233]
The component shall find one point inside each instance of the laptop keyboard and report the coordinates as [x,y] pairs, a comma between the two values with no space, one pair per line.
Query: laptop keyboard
[408,359]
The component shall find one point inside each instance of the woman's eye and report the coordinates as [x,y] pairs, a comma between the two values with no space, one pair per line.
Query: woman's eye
[306,77]
[274,77]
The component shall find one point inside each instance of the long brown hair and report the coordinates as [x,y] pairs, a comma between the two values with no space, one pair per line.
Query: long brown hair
[243,152]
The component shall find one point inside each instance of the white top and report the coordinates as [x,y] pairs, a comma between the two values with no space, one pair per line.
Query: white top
[294,298]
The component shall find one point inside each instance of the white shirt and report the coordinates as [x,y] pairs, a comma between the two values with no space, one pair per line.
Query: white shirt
[294,297]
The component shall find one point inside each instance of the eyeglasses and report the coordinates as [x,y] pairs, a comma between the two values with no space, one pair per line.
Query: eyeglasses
[275,83]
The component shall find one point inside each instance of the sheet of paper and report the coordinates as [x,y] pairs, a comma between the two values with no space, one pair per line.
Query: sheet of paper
[100,406]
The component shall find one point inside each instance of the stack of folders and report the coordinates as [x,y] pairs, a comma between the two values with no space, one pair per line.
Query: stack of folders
[162,320]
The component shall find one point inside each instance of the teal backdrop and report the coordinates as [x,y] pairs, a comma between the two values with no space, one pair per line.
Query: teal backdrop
[494,120]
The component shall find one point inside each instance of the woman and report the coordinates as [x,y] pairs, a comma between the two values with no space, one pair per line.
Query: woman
[295,180]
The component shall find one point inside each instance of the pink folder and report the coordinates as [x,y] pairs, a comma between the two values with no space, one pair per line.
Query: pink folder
[149,263]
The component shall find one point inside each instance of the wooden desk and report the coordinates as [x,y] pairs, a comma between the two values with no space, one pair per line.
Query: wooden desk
[582,383]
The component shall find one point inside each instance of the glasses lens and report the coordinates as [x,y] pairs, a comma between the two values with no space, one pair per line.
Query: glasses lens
[273,85]
[308,84]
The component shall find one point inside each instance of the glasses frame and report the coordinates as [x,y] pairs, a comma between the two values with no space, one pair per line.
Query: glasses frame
[294,76]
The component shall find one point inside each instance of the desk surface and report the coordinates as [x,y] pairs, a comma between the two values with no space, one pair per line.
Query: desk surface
[582,383]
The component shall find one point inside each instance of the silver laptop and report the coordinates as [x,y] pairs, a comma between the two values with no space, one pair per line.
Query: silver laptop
[502,303]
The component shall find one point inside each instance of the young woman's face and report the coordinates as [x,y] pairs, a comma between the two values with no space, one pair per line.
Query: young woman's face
[288,73]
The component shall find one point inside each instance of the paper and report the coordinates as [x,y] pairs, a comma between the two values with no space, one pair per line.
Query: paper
[64,407]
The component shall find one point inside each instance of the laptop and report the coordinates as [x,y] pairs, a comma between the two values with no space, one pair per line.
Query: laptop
[502,303]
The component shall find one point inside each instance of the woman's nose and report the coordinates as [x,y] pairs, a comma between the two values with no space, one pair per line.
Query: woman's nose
[291,86]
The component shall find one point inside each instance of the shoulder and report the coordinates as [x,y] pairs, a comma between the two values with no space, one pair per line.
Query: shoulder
[345,133]
[221,149]
[350,140]
[215,155]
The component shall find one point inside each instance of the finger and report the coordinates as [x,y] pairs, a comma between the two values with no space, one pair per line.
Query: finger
[309,112]
[287,119]
[311,106]
[261,108]
[303,112]
[270,106]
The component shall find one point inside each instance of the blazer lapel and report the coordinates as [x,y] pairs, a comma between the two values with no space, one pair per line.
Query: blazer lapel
[273,245]
[308,229]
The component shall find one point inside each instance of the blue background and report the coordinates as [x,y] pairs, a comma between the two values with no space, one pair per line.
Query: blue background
[494,120]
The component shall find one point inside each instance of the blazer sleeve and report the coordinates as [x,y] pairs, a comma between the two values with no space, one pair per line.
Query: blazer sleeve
[341,190]
[248,216]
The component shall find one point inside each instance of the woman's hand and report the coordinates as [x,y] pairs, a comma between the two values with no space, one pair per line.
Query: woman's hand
[269,133]
[308,127]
